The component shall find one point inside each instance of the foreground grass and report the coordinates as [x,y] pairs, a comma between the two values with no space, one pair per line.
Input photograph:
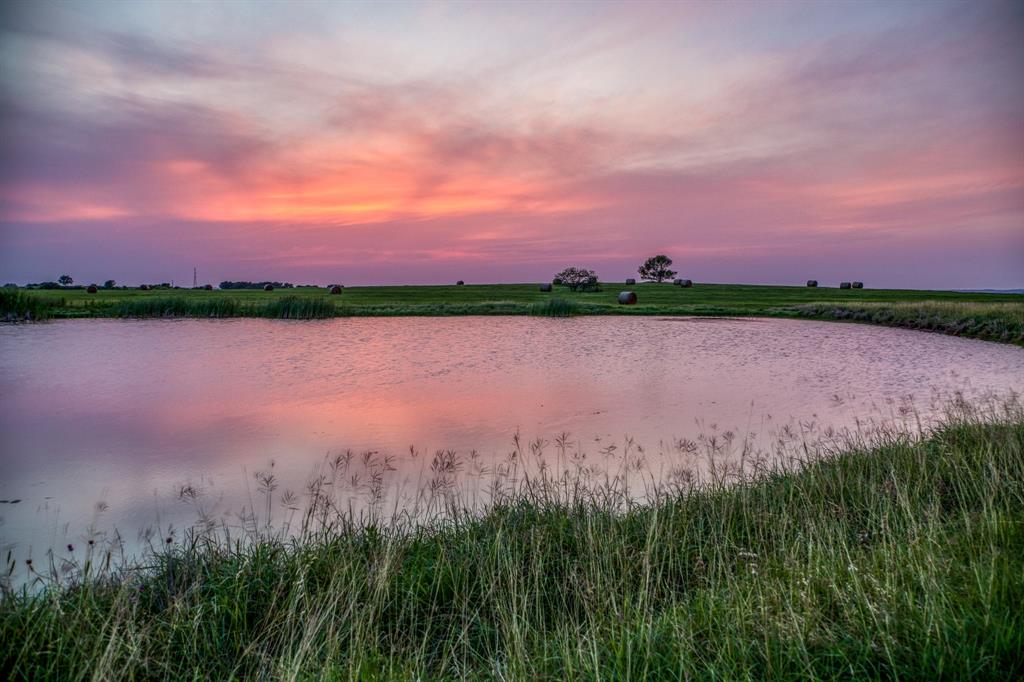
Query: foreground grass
[981,315]
[904,561]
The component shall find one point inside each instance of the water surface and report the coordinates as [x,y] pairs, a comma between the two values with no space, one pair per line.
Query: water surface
[104,422]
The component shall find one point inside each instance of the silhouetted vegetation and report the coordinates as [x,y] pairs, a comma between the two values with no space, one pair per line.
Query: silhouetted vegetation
[656,269]
[255,285]
[578,279]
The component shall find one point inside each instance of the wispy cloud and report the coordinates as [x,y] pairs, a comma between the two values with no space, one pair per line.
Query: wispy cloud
[412,135]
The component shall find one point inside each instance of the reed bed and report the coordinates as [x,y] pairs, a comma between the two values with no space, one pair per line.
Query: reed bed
[173,306]
[556,307]
[991,321]
[294,308]
[285,308]
[17,306]
[904,559]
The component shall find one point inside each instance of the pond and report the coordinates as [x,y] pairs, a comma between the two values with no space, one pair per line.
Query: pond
[133,424]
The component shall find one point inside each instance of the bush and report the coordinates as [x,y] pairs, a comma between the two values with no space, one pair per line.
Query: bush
[578,279]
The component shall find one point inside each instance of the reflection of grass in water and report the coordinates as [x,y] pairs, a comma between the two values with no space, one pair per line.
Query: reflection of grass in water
[905,560]
[993,321]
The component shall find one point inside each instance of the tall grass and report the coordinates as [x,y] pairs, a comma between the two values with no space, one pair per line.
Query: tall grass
[992,321]
[294,308]
[286,307]
[555,307]
[175,306]
[17,306]
[901,561]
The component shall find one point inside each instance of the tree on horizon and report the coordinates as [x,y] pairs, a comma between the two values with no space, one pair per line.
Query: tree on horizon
[65,280]
[656,269]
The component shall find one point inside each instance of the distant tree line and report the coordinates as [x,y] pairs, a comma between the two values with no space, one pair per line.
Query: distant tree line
[256,285]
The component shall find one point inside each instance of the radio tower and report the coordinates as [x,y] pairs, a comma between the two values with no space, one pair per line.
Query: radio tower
[195,283]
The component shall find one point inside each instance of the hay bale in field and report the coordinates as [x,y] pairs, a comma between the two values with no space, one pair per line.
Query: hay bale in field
[545,287]
[844,285]
[143,287]
[627,298]
[686,283]
[812,283]
[858,285]
[336,289]
[459,283]
[268,287]
[677,282]
[630,281]
[92,289]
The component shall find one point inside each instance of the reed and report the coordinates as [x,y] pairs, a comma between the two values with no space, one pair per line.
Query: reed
[555,307]
[173,306]
[17,306]
[903,560]
[294,308]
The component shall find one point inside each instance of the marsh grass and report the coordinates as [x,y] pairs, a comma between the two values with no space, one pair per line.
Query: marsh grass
[17,306]
[556,307]
[295,308]
[285,308]
[172,306]
[904,559]
[992,321]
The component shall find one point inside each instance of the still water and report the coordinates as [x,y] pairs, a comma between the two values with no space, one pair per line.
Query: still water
[104,423]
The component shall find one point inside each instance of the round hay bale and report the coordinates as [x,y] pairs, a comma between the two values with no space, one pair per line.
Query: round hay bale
[208,287]
[627,298]
[336,289]
[143,287]
[268,287]
[677,282]
[459,283]
[812,283]
[92,289]
[545,287]
[858,285]
[686,283]
[631,281]
[844,285]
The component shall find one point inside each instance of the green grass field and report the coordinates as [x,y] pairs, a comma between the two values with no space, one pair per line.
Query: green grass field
[998,317]
[904,560]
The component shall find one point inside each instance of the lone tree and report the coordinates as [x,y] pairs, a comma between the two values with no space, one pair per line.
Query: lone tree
[109,284]
[656,269]
[578,279]
[65,280]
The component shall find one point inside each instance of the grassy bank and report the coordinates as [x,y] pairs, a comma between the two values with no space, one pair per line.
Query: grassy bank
[992,321]
[22,306]
[995,317]
[904,561]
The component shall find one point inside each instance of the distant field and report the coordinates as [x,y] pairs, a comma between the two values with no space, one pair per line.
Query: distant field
[995,316]
[654,299]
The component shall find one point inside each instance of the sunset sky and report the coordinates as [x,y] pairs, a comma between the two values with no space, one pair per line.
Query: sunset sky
[422,143]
